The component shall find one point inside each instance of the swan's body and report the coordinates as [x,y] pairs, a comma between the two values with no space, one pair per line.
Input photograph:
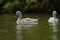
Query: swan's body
[25,20]
[53,21]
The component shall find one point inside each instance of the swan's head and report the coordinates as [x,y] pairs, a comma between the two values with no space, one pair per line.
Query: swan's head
[18,13]
[54,13]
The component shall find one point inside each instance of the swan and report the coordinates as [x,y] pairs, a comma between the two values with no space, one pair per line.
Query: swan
[53,21]
[25,20]
[23,23]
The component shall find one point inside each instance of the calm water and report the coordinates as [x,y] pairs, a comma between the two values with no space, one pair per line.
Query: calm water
[41,32]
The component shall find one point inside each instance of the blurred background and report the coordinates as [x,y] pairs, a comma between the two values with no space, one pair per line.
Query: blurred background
[42,6]
[38,9]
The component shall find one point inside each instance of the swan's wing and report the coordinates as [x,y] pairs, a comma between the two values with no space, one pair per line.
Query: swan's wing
[33,21]
[50,19]
[30,21]
[26,18]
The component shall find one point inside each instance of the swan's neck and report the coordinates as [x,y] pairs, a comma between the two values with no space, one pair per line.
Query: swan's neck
[54,16]
[20,16]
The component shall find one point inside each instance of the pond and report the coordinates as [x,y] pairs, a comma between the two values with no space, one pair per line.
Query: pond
[41,32]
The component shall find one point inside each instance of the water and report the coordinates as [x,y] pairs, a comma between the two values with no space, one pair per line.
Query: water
[27,27]
[55,36]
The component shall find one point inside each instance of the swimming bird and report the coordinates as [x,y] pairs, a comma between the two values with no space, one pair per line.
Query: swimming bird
[21,20]
[53,21]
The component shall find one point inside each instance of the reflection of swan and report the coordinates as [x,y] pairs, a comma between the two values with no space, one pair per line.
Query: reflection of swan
[25,20]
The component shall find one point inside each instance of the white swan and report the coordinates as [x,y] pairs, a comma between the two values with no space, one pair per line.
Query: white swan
[53,21]
[23,23]
[25,20]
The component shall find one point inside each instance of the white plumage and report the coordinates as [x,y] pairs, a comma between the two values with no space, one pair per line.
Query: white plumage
[25,20]
[53,20]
